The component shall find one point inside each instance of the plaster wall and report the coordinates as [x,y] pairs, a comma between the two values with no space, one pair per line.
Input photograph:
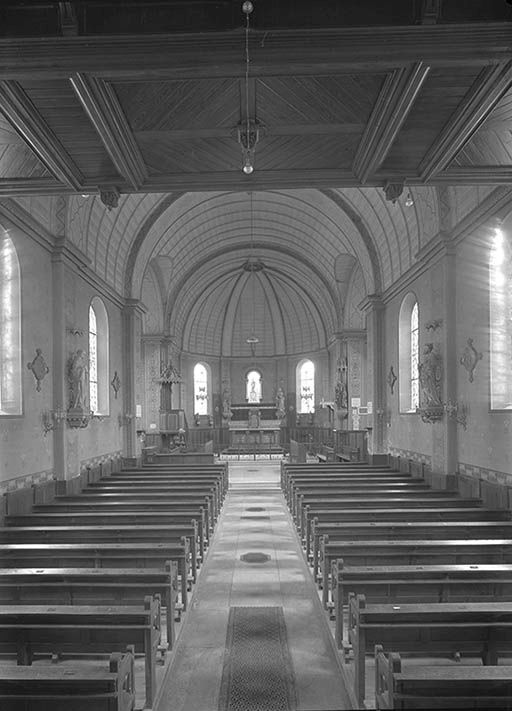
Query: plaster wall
[102,436]
[26,454]
[405,432]
[486,444]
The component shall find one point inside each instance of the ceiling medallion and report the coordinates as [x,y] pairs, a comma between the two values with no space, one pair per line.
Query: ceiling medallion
[253,265]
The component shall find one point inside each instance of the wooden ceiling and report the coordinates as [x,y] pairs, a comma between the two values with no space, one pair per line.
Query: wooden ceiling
[383,105]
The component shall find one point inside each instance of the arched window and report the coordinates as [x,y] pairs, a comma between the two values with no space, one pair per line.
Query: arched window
[201,395]
[253,386]
[306,386]
[408,353]
[10,329]
[98,358]
[500,292]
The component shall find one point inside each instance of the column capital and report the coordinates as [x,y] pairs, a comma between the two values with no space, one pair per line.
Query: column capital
[372,302]
[135,306]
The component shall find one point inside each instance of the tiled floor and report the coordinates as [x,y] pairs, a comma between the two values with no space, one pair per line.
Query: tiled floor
[193,677]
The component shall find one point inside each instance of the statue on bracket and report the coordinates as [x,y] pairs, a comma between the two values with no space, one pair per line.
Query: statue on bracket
[280,403]
[39,368]
[78,412]
[430,378]
[226,405]
[77,380]
[341,388]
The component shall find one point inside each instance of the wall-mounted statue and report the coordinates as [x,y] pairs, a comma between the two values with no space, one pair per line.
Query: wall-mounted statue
[341,387]
[78,368]
[280,403]
[226,404]
[431,378]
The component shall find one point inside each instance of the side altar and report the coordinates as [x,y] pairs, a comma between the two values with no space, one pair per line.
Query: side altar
[254,426]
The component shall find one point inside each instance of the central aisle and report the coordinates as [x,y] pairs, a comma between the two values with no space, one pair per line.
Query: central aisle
[254,520]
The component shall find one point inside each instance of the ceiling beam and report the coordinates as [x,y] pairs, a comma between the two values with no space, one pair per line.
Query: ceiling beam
[483,96]
[100,103]
[212,54]
[23,116]
[395,100]
[17,187]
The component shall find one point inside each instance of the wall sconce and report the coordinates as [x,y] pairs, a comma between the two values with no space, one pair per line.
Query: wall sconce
[52,419]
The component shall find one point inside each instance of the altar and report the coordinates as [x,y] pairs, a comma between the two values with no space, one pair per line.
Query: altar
[254,426]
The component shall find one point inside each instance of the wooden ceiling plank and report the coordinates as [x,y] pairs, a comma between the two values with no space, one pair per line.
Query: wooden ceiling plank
[390,112]
[491,84]
[22,114]
[107,117]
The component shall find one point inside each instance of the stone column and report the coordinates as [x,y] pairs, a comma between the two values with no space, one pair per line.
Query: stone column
[132,314]
[60,356]
[373,307]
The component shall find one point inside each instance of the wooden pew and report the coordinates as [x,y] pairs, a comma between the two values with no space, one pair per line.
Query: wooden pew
[353,484]
[427,630]
[407,687]
[139,495]
[91,586]
[77,687]
[366,496]
[178,489]
[179,515]
[400,584]
[118,518]
[101,555]
[29,631]
[394,515]
[107,534]
[410,552]
[427,529]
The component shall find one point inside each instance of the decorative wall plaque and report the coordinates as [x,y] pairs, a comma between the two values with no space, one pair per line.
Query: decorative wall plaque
[434,324]
[470,358]
[116,383]
[39,368]
[391,379]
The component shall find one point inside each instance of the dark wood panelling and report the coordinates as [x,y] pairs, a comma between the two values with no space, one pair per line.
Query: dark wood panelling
[168,105]
[441,94]
[17,160]
[492,143]
[59,107]
[317,100]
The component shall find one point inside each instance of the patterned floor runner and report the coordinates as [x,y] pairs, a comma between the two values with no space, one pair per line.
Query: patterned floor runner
[257,673]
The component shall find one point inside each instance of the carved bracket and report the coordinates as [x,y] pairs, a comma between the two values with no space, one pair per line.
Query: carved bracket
[116,383]
[39,368]
[434,324]
[470,358]
[391,379]
[431,414]
[458,412]
[109,196]
[392,191]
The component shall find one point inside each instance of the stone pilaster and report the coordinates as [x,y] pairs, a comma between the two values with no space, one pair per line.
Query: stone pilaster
[132,326]
[373,307]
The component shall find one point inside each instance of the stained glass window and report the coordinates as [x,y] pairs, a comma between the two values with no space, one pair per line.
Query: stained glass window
[10,329]
[500,291]
[200,389]
[415,391]
[253,386]
[307,387]
[99,381]
[93,360]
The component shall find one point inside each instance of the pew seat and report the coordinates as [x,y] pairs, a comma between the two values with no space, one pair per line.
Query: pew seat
[400,686]
[400,584]
[91,586]
[77,687]
[31,631]
[449,630]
